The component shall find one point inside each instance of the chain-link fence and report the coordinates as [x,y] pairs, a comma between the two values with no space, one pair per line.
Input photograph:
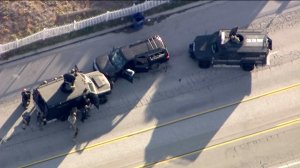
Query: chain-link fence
[77,25]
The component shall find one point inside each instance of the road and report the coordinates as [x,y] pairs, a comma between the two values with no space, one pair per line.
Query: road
[160,97]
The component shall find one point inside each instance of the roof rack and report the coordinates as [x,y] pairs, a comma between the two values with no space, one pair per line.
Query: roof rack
[150,40]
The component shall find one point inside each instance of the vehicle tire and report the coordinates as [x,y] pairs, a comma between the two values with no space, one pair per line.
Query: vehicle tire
[63,118]
[154,66]
[192,56]
[113,79]
[102,99]
[204,64]
[247,66]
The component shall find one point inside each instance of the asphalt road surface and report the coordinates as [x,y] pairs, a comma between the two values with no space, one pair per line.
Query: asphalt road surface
[185,116]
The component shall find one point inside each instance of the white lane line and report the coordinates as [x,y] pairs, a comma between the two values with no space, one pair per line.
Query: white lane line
[288,165]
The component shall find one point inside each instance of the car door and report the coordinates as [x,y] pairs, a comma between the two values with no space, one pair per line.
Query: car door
[141,64]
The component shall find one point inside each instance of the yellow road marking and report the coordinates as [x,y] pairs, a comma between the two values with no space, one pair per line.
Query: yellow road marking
[279,126]
[162,125]
[287,122]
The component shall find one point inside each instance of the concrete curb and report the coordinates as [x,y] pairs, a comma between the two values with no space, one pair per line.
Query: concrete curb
[100,33]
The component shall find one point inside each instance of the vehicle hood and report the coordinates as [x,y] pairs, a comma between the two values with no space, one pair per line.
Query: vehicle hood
[203,45]
[100,81]
[104,65]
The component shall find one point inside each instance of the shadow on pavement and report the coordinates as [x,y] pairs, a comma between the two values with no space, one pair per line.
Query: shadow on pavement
[199,92]
[4,130]
[56,138]
[195,133]
[282,7]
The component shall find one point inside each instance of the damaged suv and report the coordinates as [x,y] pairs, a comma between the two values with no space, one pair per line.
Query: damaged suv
[125,61]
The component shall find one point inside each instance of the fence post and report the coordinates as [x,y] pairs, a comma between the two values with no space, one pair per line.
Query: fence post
[107,15]
[17,42]
[131,9]
[74,25]
[44,33]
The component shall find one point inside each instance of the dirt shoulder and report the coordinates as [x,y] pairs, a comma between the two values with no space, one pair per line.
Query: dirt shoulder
[21,18]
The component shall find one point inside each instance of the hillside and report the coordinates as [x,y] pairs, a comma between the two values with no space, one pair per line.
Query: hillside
[21,18]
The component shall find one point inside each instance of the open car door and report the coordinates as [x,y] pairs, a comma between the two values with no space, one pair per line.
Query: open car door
[141,64]
[270,43]
[128,74]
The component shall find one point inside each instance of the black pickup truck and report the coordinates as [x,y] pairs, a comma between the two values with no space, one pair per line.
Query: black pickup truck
[125,61]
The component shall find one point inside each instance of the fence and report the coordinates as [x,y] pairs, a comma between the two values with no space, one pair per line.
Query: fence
[56,31]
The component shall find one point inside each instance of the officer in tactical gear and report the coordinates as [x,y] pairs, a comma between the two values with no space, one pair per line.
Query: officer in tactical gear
[72,118]
[235,39]
[26,120]
[25,98]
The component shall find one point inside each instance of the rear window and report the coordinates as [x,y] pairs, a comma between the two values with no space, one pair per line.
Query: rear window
[157,55]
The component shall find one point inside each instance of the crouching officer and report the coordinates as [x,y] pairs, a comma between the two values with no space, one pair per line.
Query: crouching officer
[85,113]
[26,120]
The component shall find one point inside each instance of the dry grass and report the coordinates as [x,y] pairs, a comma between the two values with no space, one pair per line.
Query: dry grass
[21,18]
[84,13]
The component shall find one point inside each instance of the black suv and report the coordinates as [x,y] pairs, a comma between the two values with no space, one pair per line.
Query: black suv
[243,47]
[125,61]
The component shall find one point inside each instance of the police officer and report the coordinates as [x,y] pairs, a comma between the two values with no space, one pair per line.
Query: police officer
[26,120]
[25,97]
[72,118]
[235,39]
[85,113]
[88,106]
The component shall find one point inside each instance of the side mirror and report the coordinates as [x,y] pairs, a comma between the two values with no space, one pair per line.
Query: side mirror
[128,74]
[270,43]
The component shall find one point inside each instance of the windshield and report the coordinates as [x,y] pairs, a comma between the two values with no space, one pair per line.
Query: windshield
[91,87]
[117,59]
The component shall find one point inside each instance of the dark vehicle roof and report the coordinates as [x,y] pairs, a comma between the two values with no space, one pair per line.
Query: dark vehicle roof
[150,44]
[53,95]
[254,41]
